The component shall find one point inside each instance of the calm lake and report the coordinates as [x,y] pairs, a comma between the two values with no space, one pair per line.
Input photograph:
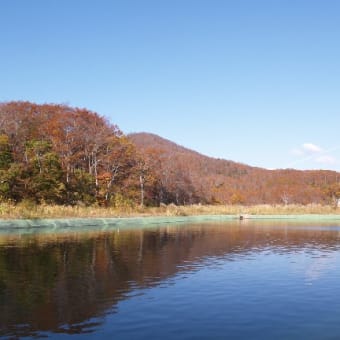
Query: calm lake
[221,280]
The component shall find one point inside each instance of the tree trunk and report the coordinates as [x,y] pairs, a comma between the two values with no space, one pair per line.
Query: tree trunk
[141,181]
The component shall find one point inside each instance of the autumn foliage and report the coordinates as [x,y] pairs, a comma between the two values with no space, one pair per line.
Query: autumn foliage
[186,177]
[57,154]
[63,155]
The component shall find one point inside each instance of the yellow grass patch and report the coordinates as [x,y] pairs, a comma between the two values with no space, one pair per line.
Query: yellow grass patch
[28,210]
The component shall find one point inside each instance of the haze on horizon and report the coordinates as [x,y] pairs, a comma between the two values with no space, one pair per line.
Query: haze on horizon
[256,82]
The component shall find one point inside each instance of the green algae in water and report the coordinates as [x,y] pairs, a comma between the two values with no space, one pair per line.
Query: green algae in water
[77,224]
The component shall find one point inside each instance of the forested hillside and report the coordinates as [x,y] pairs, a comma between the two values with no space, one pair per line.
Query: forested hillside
[62,155]
[187,176]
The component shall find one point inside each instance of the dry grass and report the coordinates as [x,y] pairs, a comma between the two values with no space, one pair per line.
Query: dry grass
[264,209]
[28,210]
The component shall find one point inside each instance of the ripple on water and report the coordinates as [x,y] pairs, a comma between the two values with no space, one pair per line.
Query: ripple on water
[195,281]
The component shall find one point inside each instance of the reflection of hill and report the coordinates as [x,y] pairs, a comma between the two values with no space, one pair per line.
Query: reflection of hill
[57,283]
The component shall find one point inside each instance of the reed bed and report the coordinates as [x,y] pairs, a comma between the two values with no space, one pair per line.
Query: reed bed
[29,210]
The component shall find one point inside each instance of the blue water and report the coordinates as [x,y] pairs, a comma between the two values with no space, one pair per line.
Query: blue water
[200,281]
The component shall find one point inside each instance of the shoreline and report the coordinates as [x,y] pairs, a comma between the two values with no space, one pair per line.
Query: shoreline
[102,224]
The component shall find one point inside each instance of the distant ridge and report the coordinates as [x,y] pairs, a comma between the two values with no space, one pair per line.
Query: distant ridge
[146,140]
[211,180]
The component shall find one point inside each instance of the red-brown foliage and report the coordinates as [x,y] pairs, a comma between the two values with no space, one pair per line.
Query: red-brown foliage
[189,177]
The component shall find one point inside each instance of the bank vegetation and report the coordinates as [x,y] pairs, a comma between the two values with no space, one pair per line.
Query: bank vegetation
[31,210]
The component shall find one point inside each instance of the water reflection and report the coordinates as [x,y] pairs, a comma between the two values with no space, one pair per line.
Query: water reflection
[67,283]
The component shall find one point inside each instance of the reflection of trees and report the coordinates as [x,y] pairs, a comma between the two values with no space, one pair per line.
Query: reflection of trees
[59,283]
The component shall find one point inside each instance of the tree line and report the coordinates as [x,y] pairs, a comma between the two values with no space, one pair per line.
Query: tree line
[57,154]
[62,155]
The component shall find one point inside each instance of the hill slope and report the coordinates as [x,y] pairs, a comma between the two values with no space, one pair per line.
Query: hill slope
[185,176]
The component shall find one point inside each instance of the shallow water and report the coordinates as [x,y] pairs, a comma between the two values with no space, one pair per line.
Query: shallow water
[235,280]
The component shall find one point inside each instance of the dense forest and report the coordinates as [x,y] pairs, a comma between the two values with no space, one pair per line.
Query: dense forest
[187,176]
[57,154]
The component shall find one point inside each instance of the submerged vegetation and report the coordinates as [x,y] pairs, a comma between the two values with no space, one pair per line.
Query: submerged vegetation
[60,161]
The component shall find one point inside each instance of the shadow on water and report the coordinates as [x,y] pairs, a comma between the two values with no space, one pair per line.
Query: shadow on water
[67,283]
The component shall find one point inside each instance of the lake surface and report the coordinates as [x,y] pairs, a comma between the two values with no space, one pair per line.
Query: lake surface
[221,280]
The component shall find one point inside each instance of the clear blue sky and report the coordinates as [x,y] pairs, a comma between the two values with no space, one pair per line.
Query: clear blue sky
[255,81]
